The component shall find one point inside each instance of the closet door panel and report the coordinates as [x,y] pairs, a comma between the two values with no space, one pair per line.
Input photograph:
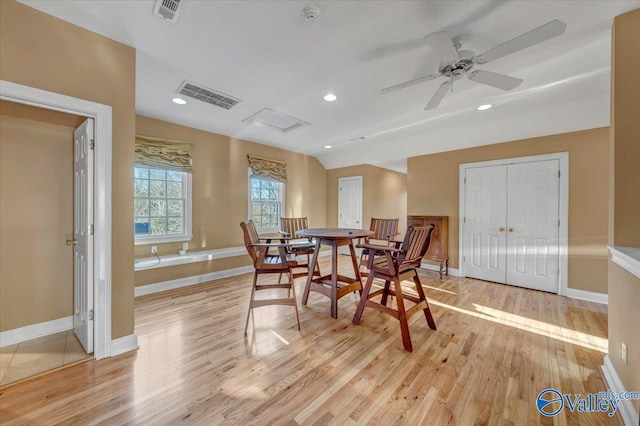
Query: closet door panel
[532,224]
[485,219]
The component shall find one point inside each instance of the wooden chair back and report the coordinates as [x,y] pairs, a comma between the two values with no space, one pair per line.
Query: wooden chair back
[290,225]
[250,238]
[383,229]
[414,247]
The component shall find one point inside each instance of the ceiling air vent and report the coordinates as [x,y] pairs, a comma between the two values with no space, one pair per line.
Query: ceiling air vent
[207,95]
[275,120]
[167,10]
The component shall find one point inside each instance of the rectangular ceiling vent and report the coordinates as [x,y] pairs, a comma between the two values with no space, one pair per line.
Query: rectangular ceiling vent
[167,10]
[207,95]
[275,120]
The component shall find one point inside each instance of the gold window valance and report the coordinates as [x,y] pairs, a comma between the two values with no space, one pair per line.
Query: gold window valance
[265,168]
[163,153]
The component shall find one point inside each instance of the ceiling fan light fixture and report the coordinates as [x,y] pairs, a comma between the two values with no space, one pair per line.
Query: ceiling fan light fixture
[484,107]
[178,101]
[330,97]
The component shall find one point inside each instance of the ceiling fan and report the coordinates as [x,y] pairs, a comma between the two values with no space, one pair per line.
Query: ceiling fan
[455,63]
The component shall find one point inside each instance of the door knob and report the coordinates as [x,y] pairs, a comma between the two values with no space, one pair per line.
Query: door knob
[502,229]
[357,221]
[71,242]
[511,229]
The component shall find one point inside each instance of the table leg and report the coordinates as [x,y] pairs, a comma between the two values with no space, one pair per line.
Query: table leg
[334,279]
[312,267]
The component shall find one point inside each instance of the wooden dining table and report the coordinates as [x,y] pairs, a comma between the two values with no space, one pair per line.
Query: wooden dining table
[333,285]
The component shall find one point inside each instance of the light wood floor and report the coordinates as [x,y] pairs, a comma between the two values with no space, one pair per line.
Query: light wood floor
[495,349]
[36,356]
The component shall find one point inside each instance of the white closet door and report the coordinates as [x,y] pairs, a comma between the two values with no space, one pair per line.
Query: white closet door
[485,221]
[533,226]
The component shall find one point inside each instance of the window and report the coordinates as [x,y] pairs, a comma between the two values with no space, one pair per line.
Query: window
[265,203]
[162,205]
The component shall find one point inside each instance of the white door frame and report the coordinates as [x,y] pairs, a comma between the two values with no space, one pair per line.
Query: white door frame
[102,194]
[563,231]
[361,180]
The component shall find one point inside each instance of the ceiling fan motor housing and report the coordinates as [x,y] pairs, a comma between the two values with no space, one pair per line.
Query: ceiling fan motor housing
[456,68]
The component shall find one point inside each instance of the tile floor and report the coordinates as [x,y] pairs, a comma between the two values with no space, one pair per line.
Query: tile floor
[39,355]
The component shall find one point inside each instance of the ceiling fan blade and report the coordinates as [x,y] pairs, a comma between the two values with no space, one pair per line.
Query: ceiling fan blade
[442,44]
[547,31]
[408,83]
[438,95]
[496,80]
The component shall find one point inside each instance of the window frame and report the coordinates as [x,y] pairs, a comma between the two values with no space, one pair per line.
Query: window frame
[187,235]
[281,201]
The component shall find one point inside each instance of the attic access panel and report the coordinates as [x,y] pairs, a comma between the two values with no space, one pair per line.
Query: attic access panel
[276,120]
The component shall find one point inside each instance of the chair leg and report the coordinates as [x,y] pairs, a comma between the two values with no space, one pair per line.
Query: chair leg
[385,293]
[427,310]
[363,300]
[253,292]
[402,316]
[295,304]
[363,264]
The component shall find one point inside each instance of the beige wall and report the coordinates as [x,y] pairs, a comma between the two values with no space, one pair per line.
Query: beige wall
[36,217]
[624,227]
[41,51]
[220,191]
[384,194]
[433,189]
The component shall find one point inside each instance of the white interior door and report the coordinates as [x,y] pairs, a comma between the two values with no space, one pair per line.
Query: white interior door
[350,202]
[511,224]
[533,225]
[83,234]
[485,223]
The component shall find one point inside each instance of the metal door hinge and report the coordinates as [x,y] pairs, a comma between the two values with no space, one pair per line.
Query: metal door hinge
[90,229]
[465,180]
[92,144]
[464,219]
[91,315]
[558,173]
[558,223]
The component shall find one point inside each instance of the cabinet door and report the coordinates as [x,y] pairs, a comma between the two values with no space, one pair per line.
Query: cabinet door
[532,225]
[485,220]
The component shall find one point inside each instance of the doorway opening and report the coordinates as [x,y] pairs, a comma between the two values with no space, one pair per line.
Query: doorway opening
[101,204]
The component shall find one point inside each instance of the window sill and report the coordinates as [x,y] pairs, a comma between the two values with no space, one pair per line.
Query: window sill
[146,263]
[626,257]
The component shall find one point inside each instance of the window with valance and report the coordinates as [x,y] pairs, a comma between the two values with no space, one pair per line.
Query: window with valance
[162,190]
[267,180]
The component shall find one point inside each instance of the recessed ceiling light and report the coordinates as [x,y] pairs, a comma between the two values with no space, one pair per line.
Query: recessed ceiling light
[178,101]
[484,107]
[330,97]
[327,146]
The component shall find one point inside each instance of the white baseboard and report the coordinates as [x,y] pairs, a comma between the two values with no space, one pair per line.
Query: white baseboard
[589,296]
[187,281]
[453,272]
[124,344]
[22,334]
[627,410]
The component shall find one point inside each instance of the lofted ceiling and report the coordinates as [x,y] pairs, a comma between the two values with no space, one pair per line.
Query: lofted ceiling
[267,55]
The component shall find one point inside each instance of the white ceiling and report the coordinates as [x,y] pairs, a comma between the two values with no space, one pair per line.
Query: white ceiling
[264,53]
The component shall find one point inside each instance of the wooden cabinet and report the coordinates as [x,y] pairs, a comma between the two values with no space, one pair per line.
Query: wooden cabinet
[439,248]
